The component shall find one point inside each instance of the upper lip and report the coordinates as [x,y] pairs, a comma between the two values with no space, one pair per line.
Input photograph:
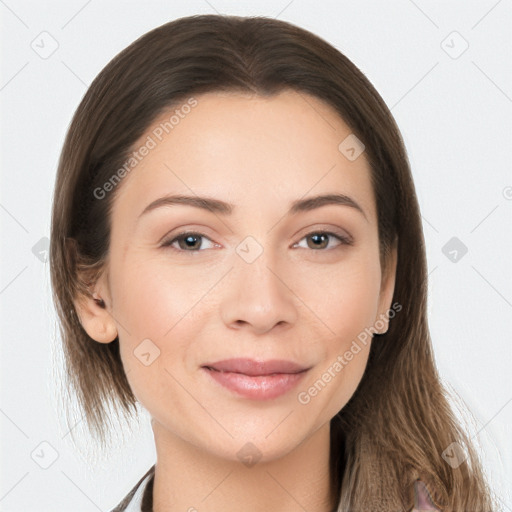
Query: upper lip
[256,368]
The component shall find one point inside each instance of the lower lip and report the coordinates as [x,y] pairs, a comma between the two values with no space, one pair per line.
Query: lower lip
[262,387]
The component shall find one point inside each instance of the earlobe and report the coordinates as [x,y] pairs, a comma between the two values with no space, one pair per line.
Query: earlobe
[95,318]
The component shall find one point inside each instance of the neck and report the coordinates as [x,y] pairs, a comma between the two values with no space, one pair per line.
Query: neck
[188,479]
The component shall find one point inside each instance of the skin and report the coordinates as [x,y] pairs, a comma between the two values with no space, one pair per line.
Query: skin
[296,301]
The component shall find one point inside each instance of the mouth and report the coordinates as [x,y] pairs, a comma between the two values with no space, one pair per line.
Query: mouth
[258,380]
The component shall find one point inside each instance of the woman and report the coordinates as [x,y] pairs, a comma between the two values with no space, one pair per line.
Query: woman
[237,246]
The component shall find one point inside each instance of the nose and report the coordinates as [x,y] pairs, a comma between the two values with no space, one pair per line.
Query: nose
[258,297]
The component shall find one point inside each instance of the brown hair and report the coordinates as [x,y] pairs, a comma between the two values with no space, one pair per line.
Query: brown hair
[397,424]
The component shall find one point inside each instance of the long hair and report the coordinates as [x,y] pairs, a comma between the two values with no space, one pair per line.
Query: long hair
[398,423]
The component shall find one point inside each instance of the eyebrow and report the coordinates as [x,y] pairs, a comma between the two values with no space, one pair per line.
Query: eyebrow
[223,208]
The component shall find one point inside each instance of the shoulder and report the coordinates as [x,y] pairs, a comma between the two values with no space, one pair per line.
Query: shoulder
[139,495]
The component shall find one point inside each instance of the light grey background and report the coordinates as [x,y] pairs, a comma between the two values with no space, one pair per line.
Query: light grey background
[454,108]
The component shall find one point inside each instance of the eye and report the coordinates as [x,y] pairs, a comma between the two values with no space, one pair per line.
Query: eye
[188,241]
[319,239]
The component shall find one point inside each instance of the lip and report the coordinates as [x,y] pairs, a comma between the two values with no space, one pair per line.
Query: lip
[258,380]
[256,368]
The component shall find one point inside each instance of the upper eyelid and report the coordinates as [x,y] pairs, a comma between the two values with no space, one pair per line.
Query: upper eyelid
[343,238]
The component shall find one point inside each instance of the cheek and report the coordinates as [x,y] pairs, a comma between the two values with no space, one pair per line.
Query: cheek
[343,297]
[357,305]
[152,297]
[346,301]
[166,304]
[153,308]
[348,309]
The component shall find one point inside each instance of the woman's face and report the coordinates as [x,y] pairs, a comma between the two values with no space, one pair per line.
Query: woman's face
[256,280]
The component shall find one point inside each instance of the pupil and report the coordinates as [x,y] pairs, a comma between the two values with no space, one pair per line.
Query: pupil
[190,238]
[317,238]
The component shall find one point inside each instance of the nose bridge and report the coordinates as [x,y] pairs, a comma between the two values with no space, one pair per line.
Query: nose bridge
[256,267]
[258,294]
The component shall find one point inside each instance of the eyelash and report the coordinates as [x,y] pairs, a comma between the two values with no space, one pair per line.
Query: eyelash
[344,240]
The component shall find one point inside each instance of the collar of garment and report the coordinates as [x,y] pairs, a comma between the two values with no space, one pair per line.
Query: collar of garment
[140,498]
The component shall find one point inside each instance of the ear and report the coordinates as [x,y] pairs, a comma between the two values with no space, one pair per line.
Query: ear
[387,290]
[93,311]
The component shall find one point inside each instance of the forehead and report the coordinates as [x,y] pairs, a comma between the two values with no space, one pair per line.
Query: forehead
[257,152]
